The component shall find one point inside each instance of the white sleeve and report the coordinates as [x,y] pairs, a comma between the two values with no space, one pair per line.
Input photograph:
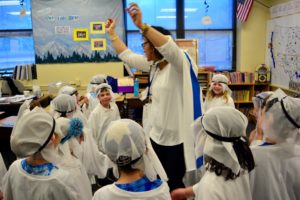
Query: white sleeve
[173,54]
[135,60]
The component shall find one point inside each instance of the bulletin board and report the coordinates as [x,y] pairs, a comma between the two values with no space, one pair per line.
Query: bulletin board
[191,46]
[72,31]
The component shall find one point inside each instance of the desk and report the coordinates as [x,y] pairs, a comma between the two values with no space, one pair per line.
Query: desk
[6,126]
[13,108]
[130,107]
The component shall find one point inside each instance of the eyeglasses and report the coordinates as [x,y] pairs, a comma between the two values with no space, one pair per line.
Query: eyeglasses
[144,43]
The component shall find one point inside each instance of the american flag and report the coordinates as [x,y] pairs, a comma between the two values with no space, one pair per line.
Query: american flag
[243,9]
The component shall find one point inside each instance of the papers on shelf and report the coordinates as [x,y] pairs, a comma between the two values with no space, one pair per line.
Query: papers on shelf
[14,99]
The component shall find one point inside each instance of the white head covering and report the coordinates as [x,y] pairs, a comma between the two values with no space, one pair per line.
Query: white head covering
[125,143]
[33,134]
[281,121]
[258,99]
[63,104]
[70,129]
[96,80]
[101,86]
[24,108]
[214,128]
[223,80]
[67,90]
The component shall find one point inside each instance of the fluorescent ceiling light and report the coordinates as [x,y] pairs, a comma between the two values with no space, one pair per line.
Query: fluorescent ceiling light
[9,3]
[168,17]
[174,9]
[190,9]
[18,13]
[168,10]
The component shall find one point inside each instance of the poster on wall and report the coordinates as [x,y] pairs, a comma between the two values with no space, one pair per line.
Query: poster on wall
[72,31]
[283,54]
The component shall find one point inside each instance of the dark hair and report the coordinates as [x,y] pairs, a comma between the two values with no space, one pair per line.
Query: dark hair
[219,169]
[105,89]
[162,31]
[125,163]
[244,155]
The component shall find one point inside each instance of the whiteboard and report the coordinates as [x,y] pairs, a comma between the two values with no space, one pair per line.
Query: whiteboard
[284,56]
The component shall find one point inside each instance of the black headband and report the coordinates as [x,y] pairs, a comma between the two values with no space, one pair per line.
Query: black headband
[75,92]
[287,114]
[218,137]
[126,160]
[49,137]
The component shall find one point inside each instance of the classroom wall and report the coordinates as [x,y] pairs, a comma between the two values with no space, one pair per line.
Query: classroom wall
[251,45]
[78,74]
[251,39]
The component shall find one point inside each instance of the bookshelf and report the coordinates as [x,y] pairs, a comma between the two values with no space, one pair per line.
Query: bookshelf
[242,85]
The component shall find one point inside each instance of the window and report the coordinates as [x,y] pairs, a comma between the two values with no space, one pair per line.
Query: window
[216,39]
[212,23]
[16,41]
[158,13]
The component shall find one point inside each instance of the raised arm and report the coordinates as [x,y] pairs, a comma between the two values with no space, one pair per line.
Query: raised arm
[156,38]
[163,43]
[117,43]
[132,59]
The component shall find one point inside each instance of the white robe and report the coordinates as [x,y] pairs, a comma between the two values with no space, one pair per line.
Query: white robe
[75,167]
[213,187]
[276,174]
[3,170]
[112,192]
[94,161]
[19,185]
[217,102]
[172,110]
[99,120]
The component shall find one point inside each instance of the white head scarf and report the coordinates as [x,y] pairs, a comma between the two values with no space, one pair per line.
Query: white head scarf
[63,104]
[101,86]
[70,129]
[33,134]
[223,123]
[67,90]
[281,120]
[95,81]
[223,80]
[125,143]
[259,99]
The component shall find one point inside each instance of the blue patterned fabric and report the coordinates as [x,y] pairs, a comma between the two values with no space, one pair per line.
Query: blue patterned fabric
[265,144]
[199,162]
[141,185]
[41,170]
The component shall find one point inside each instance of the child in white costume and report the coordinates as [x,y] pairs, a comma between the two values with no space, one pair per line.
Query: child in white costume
[69,90]
[91,100]
[94,161]
[105,112]
[259,100]
[127,146]
[36,175]
[3,171]
[218,93]
[226,154]
[276,175]
[72,136]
